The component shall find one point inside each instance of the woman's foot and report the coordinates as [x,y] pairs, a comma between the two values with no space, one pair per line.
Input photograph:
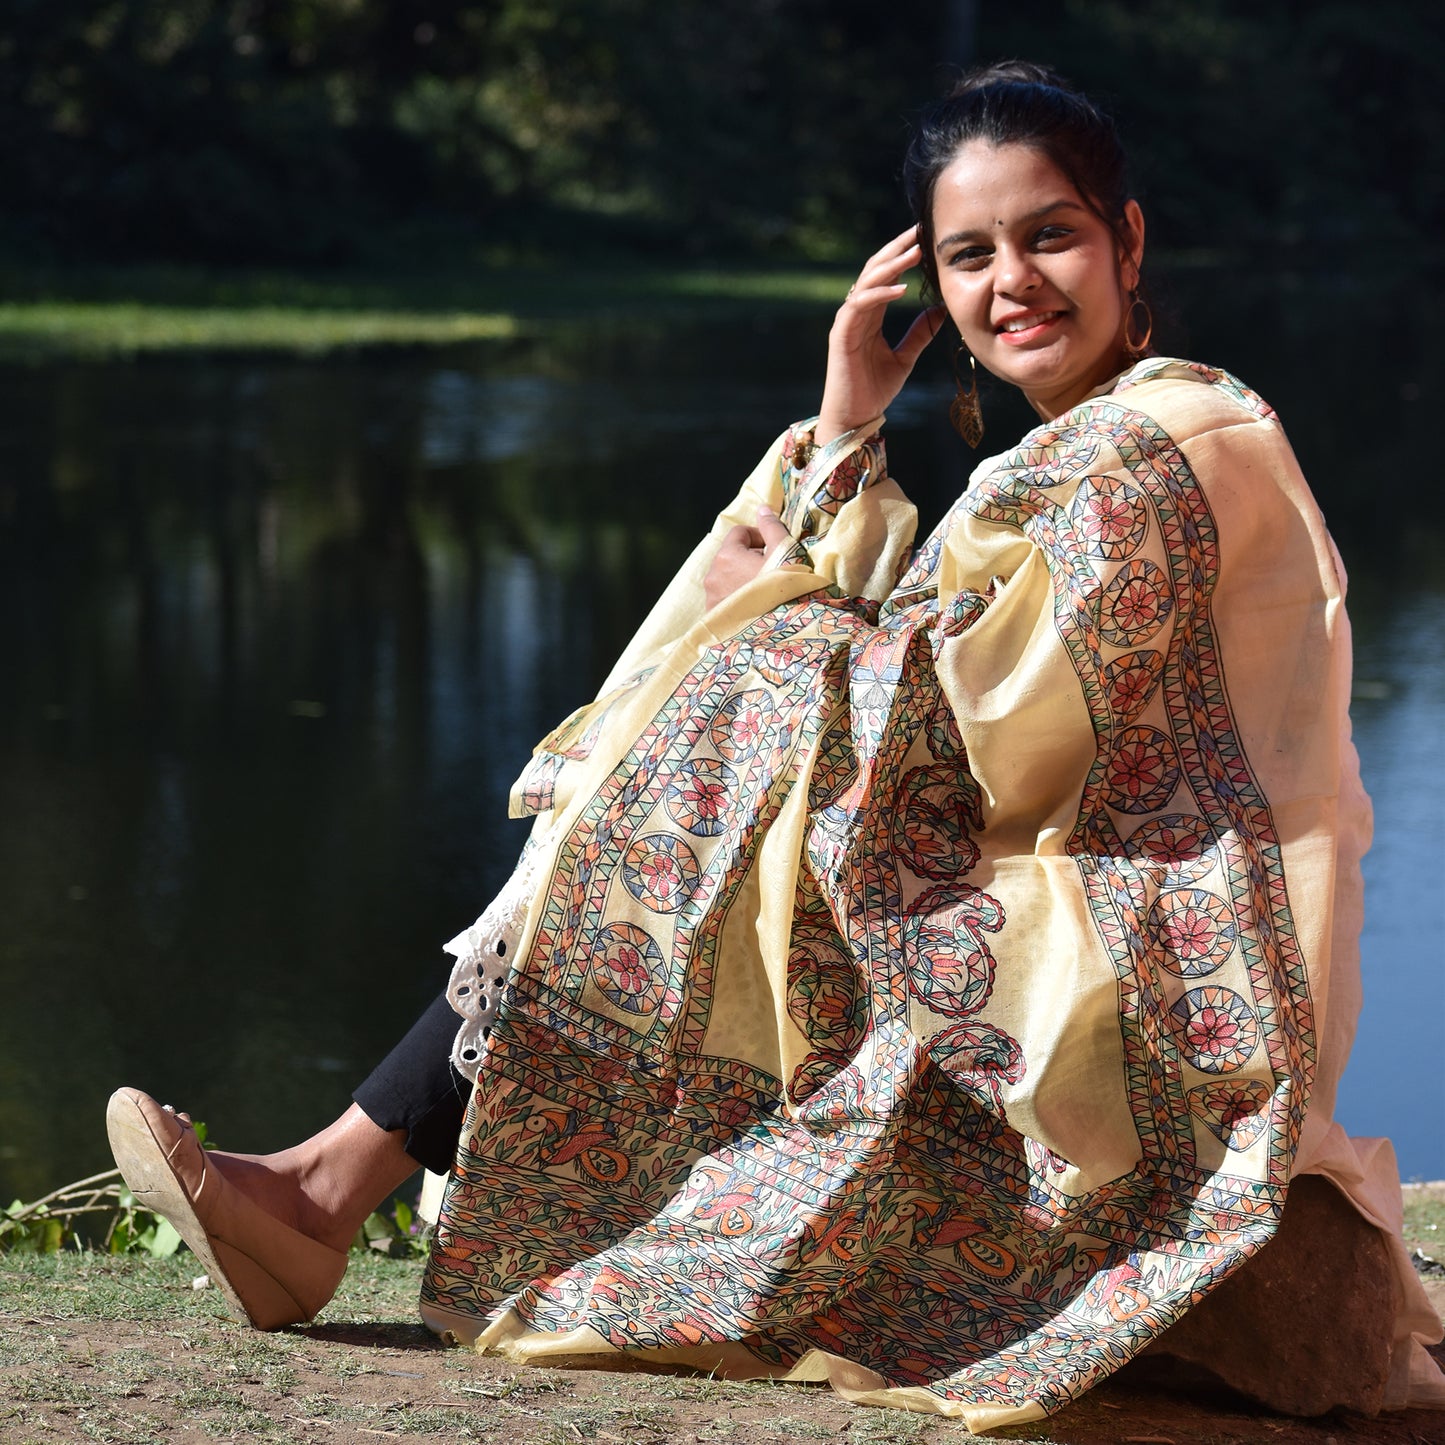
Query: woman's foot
[327,1186]
[271,1230]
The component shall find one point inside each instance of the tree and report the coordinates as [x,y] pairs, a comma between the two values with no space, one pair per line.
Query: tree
[311,130]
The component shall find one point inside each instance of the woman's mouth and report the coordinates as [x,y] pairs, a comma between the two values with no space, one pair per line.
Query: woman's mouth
[1019,329]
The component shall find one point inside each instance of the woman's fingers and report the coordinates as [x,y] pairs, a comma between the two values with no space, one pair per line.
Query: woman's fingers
[885,266]
[865,372]
[926,325]
[903,242]
[737,561]
[741,555]
[869,299]
[763,538]
[879,285]
[771,532]
[740,539]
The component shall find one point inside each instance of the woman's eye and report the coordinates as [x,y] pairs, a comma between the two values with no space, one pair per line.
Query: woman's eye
[1052,235]
[969,256]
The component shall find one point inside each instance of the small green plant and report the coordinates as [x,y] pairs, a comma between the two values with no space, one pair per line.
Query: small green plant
[49,1224]
[52,1223]
[402,1234]
[31,1229]
[134,1230]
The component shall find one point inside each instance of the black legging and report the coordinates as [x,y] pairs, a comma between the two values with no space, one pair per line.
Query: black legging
[416,1088]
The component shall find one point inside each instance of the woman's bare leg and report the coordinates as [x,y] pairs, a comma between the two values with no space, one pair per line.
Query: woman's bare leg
[326,1186]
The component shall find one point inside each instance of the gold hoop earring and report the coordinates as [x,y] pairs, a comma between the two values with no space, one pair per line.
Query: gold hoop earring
[1136,349]
[964,410]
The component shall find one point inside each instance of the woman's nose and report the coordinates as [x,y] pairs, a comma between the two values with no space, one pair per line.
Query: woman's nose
[1014,272]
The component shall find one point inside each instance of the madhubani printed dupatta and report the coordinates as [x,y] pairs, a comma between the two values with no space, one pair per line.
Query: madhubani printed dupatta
[917,994]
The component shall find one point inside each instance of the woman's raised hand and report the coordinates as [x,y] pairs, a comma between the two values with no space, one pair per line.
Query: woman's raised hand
[865,373]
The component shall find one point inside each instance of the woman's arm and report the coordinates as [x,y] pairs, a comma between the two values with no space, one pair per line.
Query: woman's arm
[864,374]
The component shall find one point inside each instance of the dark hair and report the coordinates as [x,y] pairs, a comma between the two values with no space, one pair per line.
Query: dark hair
[1016,102]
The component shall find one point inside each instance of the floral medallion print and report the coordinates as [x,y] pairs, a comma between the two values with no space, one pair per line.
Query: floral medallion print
[1130,681]
[1144,771]
[741,725]
[760,1077]
[1110,516]
[1136,604]
[661,872]
[937,808]
[839,484]
[1215,1028]
[698,797]
[1178,848]
[1196,929]
[627,968]
[1237,1114]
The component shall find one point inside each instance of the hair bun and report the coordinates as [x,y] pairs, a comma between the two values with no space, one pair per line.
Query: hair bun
[1011,72]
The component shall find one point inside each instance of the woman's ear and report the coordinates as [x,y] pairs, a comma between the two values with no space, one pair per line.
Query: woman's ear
[1131,242]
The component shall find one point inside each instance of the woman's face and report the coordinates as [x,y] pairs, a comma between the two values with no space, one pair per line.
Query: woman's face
[1035,282]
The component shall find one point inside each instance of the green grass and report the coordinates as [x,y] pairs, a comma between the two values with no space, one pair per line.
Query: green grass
[123,1349]
[92,1286]
[184,1359]
[117,312]
[125,328]
[1425,1212]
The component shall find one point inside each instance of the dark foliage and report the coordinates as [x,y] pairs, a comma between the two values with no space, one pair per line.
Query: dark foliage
[317,131]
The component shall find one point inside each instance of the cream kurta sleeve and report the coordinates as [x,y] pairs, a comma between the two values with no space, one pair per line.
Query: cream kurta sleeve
[850,522]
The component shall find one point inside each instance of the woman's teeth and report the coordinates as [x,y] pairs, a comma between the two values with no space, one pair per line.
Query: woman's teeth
[1023,323]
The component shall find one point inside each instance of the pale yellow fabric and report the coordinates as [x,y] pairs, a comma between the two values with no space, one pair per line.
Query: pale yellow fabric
[1068,926]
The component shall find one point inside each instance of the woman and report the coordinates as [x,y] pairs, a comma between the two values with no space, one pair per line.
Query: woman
[925,974]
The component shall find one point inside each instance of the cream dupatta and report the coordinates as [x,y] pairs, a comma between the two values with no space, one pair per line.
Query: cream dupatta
[920,981]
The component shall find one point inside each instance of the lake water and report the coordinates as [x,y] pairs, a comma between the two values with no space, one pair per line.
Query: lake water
[276,636]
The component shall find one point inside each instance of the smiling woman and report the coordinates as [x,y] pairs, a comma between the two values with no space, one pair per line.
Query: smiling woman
[929,968]
[1040,293]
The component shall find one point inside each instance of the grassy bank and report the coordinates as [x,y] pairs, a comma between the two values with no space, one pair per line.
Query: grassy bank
[128,311]
[127,1349]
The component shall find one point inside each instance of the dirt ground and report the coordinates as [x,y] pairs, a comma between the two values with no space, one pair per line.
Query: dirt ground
[127,1351]
[346,1382]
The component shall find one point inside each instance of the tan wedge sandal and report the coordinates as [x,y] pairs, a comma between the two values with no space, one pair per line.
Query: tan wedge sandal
[270,1274]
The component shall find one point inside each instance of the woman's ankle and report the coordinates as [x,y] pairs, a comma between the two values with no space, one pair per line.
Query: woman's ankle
[326,1186]
[270,1183]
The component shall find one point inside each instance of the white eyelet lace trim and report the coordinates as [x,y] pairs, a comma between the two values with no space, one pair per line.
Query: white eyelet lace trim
[485,954]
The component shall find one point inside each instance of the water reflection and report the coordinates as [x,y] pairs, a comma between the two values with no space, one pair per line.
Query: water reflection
[275,638]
